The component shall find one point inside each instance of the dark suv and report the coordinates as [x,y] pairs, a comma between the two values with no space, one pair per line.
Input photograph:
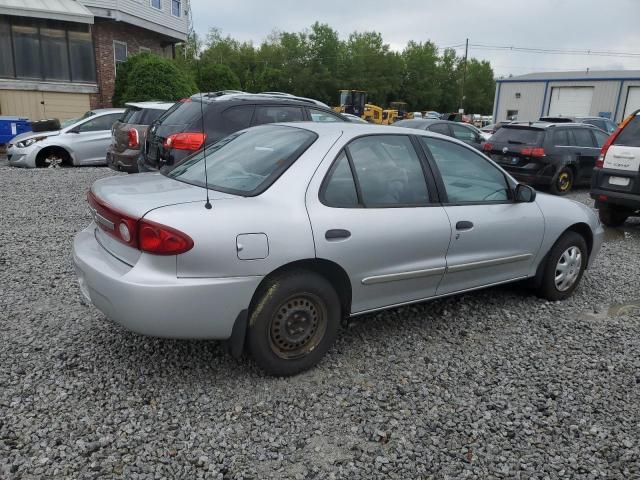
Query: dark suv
[557,155]
[616,179]
[602,123]
[178,133]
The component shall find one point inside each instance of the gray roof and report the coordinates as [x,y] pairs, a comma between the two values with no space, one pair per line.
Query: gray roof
[574,75]
[69,10]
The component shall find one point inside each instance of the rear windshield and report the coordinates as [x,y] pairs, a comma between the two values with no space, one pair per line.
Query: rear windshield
[183,113]
[247,162]
[518,136]
[630,134]
[131,115]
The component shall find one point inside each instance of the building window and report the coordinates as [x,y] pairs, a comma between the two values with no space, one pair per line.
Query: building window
[156,4]
[119,52]
[144,50]
[518,95]
[175,8]
[34,49]
[512,114]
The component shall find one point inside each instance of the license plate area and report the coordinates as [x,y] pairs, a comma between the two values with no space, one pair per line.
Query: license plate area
[619,181]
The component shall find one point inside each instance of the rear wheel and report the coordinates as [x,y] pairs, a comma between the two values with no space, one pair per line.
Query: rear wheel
[612,216]
[564,267]
[563,182]
[293,323]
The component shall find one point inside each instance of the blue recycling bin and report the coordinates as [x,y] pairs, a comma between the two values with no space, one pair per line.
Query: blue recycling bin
[12,126]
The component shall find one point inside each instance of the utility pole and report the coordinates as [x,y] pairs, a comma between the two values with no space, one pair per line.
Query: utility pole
[464,74]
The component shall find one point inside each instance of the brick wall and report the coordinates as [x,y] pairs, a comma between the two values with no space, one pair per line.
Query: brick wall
[104,33]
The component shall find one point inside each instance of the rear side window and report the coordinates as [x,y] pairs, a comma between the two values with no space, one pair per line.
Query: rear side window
[518,136]
[245,163]
[323,116]
[582,137]
[183,113]
[561,138]
[276,114]
[463,133]
[442,128]
[339,189]
[237,118]
[630,134]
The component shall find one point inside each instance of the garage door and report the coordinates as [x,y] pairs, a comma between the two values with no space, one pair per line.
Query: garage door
[633,101]
[571,101]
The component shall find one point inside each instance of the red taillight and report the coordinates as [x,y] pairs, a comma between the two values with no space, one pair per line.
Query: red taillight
[162,240]
[610,140]
[533,151]
[117,224]
[134,140]
[487,147]
[148,236]
[185,141]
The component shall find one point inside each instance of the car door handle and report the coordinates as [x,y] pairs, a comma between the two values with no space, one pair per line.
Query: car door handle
[337,234]
[464,225]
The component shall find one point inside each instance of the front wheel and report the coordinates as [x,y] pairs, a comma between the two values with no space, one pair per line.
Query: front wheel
[564,267]
[293,322]
[612,217]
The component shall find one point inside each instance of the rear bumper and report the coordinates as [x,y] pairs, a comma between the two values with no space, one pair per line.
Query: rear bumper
[602,191]
[124,162]
[149,299]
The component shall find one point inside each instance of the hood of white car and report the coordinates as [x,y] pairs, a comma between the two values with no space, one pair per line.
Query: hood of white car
[138,194]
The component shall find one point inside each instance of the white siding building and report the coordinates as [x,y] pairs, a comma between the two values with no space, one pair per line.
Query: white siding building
[612,94]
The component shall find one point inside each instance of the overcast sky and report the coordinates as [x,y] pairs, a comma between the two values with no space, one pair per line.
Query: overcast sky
[597,25]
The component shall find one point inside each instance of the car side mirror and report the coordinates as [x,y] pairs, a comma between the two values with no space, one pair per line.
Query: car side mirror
[524,193]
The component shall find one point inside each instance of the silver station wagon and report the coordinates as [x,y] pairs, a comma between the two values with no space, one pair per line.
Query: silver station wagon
[310,223]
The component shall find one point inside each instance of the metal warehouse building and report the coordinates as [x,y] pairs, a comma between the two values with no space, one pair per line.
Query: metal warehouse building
[612,94]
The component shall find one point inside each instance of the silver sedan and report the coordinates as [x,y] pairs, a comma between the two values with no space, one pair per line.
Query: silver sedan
[81,141]
[291,228]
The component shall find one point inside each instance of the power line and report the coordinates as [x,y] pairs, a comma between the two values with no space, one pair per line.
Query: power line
[553,51]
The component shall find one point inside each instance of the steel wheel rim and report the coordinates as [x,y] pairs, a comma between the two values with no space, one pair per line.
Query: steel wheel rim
[564,181]
[298,326]
[53,161]
[568,268]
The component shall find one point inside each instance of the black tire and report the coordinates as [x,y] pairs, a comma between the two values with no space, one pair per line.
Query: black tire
[549,287]
[563,182]
[293,322]
[53,158]
[612,216]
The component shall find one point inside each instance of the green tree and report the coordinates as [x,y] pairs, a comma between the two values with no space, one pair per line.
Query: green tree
[212,77]
[421,89]
[151,77]
[479,88]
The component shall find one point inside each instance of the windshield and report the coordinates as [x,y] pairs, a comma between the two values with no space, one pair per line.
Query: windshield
[247,162]
[518,136]
[71,121]
[345,97]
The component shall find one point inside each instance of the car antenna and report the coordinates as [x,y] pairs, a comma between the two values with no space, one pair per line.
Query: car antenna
[207,204]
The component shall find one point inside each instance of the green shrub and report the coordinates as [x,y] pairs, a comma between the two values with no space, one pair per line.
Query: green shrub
[150,77]
[213,77]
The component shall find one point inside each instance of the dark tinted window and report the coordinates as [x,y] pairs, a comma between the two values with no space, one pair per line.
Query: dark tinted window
[518,136]
[131,115]
[183,113]
[388,171]
[26,49]
[442,128]
[601,138]
[276,114]
[630,134]
[236,118]
[561,138]
[582,137]
[6,59]
[467,176]
[246,162]
[150,115]
[82,57]
[105,122]
[595,122]
[55,56]
[339,189]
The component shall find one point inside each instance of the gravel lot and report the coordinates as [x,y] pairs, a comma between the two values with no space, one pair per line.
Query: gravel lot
[494,384]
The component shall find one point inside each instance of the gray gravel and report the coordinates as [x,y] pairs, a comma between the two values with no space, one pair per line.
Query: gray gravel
[494,384]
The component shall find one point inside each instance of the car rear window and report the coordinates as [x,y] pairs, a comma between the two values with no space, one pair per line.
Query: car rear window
[245,163]
[183,113]
[630,134]
[131,115]
[150,115]
[518,136]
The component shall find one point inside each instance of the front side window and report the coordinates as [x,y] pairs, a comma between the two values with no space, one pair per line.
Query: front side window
[245,163]
[156,4]
[582,137]
[388,171]
[467,176]
[277,114]
[322,116]
[98,124]
[175,8]
[463,133]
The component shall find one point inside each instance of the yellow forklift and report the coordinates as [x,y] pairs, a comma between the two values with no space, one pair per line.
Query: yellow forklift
[401,109]
[353,102]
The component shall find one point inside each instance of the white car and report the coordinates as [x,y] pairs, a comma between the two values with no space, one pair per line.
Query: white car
[82,141]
